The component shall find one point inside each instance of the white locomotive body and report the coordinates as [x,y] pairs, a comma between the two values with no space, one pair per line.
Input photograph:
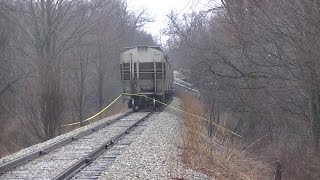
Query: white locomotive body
[145,70]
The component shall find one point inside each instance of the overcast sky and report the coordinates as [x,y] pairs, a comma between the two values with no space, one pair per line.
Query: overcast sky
[160,8]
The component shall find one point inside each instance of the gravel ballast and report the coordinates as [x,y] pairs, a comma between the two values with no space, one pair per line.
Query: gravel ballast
[155,154]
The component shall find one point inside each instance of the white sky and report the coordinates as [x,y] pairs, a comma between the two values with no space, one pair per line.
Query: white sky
[158,9]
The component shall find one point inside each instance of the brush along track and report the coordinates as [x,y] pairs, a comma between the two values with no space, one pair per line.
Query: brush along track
[56,162]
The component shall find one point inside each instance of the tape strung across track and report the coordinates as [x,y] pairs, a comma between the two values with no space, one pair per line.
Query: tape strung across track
[128,94]
[88,119]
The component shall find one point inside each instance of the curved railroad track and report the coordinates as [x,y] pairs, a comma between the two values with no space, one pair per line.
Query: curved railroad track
[84,156]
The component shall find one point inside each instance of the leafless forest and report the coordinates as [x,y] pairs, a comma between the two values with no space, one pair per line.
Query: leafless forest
[257,66]
[255,62]
[59,63]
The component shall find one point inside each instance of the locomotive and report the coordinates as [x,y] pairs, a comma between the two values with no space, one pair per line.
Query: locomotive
[146,76]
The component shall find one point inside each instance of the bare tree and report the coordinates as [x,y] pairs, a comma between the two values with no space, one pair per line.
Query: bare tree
[59,63]
[258,61]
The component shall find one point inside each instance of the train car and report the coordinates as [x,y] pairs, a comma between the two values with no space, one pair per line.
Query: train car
[145,70]
[181,85]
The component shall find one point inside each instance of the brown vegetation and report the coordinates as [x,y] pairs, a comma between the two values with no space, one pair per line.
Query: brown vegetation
[207,154]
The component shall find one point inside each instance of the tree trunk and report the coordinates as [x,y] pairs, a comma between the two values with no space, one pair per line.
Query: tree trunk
[314,108]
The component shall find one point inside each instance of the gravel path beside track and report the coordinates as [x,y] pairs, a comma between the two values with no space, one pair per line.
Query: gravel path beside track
[155,154]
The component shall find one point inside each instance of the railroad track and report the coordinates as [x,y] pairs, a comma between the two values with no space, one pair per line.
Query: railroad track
[84,156]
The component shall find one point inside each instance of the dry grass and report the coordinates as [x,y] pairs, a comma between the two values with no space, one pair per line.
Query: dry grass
[14,138]
[206,154]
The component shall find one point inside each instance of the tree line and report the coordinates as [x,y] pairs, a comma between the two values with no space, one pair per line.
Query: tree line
[59,63]
[256,64]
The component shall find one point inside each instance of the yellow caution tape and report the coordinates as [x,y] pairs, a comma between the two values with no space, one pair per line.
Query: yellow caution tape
[128,94]
[88,119]
[187,113]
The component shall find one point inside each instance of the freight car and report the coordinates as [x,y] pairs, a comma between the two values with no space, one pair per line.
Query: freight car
[145,71]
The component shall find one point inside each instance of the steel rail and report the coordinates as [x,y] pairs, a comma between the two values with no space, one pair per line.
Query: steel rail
[45,150]
[88,159]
